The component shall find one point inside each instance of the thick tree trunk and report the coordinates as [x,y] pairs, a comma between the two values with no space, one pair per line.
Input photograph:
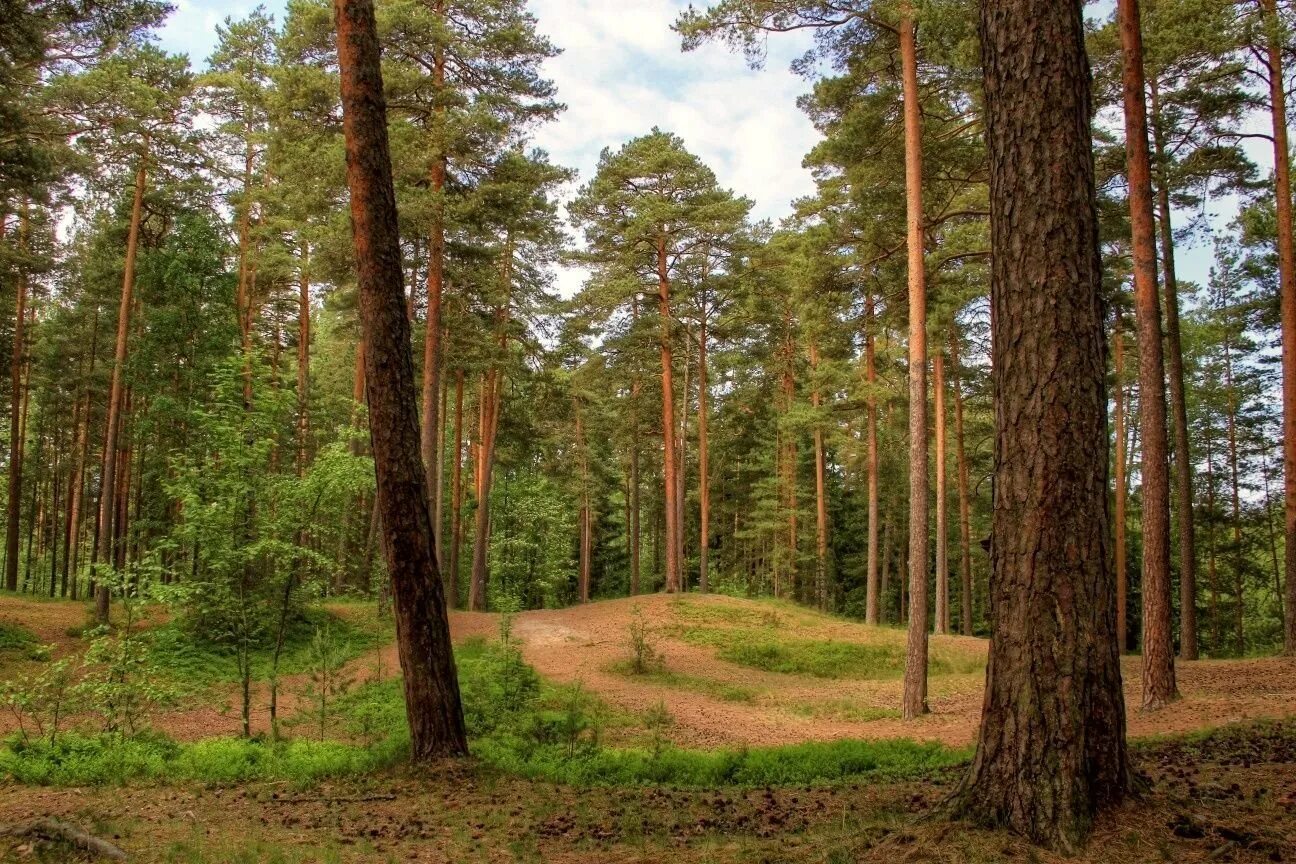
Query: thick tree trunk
[915,680]
[669,468]
[942,500]
[108,482]
[1122,578]
[1158,636]
[874,591]
[1274,46]
[1183,467]
[1051,751]
[423,633]
[965,504]
[704,475]
[12,514]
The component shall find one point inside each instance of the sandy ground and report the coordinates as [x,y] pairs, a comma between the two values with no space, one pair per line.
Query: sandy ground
[584,643]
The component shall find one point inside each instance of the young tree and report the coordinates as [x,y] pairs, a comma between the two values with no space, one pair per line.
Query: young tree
[432,703]
[1051,751]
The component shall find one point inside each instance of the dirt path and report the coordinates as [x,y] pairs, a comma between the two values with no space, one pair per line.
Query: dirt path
[584,643]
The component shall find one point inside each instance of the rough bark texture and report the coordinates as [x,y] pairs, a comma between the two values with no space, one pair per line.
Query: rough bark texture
[1287,303]
[423,631]
[1158,636]
[1183,465]
[1051,751]
[915,680]
[108,481]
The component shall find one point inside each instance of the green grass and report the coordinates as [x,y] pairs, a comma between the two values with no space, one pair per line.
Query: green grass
[192,660]
[517,723]
[722,690]
[845,710]
[770,651]
[15,637]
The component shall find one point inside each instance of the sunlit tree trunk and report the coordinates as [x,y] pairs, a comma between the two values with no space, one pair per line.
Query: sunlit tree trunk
[942,499]
[669,453]
[874,591]
[704,475]
[915,680]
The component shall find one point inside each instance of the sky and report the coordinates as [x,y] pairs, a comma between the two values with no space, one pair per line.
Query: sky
[621,72]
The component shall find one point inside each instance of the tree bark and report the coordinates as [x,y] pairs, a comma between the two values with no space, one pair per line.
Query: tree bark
[1122,578]
[942,500]
[13,513]
[1287,300]
[669,468]
[456,496]
[108,482]
[1183,467]
[965,513]
[704,476]
[303,358]
[821,496]
[436,273]
[1239,558]
[432,699]
[1051,751]
[874,591]
[915,680]
[1158,636]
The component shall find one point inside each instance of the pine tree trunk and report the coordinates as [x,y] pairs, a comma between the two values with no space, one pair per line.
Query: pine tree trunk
[108,482]
[1051,751]
[1122,577]
[303,358]
[1158,636]
[942,500]
[915,680]
[821,498]
[489,411]
[1287,299]
[965,511]
[1183,490]
[874,590]
[13,512]
[431,684]
[436,275]
[456,496]
[669,468]
[704,476]
[1212,568]
[1239,558]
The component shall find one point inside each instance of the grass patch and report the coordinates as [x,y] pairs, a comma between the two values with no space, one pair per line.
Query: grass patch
[190,659]
[15,637]
[722,690]
[769,651]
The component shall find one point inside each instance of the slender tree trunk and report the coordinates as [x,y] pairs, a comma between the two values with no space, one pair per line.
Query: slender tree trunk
[438,494]
[432,700]
[704,476]
[669,468]
[883,575]
[436,272]
[1239,559]
[13,513]
[873,590]
[1287,293]
[1119,485]
[915,681]
[108,483]
[303,358]
[965,512]
[1158,635]
[583,577]
[489,409]
[1051,751]
[821,494]
[942,500]
[456,496]
[1178,404]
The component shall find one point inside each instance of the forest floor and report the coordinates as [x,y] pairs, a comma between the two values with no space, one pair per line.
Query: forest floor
[729,671]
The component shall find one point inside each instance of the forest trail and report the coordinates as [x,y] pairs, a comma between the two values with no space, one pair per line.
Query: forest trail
[852,693]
